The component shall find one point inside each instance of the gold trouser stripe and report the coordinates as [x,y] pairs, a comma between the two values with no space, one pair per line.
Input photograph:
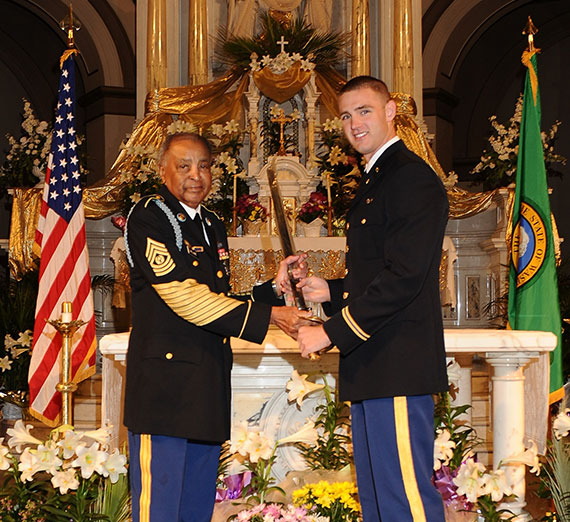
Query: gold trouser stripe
[145,457]
[406,461]
[195,302]
[245,320]
[353,325]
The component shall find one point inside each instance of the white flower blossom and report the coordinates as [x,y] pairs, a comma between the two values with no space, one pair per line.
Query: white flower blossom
[28,466]
[90,460]
[442,449]
[69,443]
[496,485]
[469,481]
[48,459]
[561,425]
[528,457]
[65,480]
[299,387]
[5,462]
[307,434]
[258,446]
[240,434]
[20,435]
[114,466]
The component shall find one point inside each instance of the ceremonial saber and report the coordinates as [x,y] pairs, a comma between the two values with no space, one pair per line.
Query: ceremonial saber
[288,248]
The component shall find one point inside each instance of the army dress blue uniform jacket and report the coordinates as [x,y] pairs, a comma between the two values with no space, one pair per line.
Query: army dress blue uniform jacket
[386,313]
[179,357]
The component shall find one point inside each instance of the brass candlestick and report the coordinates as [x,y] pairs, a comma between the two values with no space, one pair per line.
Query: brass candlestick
[66,327]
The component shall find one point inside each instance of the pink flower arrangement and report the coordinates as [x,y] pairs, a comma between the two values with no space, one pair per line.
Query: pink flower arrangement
[276,513]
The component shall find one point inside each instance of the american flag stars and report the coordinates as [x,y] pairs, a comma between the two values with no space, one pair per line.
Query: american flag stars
[65,189]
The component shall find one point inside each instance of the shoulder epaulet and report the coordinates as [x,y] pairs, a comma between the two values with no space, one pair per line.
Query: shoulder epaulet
[158,200]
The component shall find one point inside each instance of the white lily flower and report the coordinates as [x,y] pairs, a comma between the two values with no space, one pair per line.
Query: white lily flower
[496,485]
[20,435]
[101,435]
[528,457]
[469,481]
[90,460]
[28,466]
[299,387]
[5,363]
[69,443]
[25,338]
[48,460]
[65,480]
[258,446]
[307,434]
[5,462]
[115,466]
[442,449]
[561,425]
[240,434]
[453,373]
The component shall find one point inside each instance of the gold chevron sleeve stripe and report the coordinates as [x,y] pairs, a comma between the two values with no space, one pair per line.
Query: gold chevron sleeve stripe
[406,460]
[145,456]
[159,257]
[246,317]
[353,325]
[194,301]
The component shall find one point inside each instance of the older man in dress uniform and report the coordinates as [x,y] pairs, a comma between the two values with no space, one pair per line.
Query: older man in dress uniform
[177,397]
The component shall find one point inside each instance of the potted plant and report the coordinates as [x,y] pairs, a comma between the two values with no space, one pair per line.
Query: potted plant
[251,213]
[312,214]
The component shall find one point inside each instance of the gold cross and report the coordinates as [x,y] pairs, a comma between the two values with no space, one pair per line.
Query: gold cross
[530,30]
[282,120]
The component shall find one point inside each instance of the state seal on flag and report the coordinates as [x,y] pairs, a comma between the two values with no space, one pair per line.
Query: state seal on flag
[529,244]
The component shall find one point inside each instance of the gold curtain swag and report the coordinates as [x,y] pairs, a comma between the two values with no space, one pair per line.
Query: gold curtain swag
[211,103]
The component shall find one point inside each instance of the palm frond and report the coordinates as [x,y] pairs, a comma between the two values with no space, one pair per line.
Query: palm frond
[558,478]
[113,500]
[302,38]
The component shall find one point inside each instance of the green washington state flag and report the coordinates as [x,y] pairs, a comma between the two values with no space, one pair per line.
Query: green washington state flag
[533,285]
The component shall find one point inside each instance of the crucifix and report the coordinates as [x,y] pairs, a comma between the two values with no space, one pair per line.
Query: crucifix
[282,43]
[282,120]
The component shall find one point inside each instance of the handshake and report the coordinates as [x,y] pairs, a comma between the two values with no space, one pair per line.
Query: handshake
[299,323]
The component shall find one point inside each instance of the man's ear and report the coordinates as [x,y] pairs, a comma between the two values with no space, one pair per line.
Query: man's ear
[391,110]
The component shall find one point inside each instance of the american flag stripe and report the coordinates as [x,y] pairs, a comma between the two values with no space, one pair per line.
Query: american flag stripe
[64,264]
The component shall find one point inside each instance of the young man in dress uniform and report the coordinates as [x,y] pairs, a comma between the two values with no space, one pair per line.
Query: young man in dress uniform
[177,396]
[385,314]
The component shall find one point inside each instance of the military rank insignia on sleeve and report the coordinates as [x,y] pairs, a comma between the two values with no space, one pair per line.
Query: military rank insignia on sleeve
[159,257]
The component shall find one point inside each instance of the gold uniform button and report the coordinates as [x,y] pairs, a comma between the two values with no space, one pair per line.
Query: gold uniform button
[363,221]
[195,263]
[367,181]
[347,226]
[377,169]
[369,200]
[346,271]
[225,340]
[220,274]
[169,356]
[345,295]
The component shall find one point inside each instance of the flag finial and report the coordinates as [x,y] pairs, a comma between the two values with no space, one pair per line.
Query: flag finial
[530,30]
[70,24]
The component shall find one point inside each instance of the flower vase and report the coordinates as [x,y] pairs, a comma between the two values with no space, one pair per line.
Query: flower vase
[252,228]
[455,512]
[314,228]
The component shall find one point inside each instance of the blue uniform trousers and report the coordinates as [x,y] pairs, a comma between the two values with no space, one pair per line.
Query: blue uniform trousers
[172,479]
[393,452]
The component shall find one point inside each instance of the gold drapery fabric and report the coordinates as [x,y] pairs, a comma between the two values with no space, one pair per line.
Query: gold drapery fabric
[204,105]
[281,87]
[25,213]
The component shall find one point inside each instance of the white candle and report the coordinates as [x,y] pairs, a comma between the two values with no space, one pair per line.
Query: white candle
[329,189]
[66,312]
[235,189]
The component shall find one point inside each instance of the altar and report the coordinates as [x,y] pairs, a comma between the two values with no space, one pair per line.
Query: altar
[260,373]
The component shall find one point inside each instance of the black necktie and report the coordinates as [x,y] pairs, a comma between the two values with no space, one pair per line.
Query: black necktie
[197,220]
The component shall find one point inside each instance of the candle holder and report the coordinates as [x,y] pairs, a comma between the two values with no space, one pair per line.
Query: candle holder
[67,328]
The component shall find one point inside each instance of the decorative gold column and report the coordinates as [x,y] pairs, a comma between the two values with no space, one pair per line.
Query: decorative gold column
[198,42]
[360,38]
[403,48]
[156,59]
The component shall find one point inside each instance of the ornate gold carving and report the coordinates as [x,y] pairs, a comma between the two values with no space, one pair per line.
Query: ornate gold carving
[156,57]
[403,47]
[360,38]
[198,43]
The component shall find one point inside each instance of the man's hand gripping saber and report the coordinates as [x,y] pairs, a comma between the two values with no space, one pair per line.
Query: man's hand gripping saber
[288,249]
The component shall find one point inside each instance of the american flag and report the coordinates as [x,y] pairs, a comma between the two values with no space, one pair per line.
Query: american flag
[64,265]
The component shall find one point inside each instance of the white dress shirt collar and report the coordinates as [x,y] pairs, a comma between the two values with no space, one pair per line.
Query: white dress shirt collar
[379,152]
